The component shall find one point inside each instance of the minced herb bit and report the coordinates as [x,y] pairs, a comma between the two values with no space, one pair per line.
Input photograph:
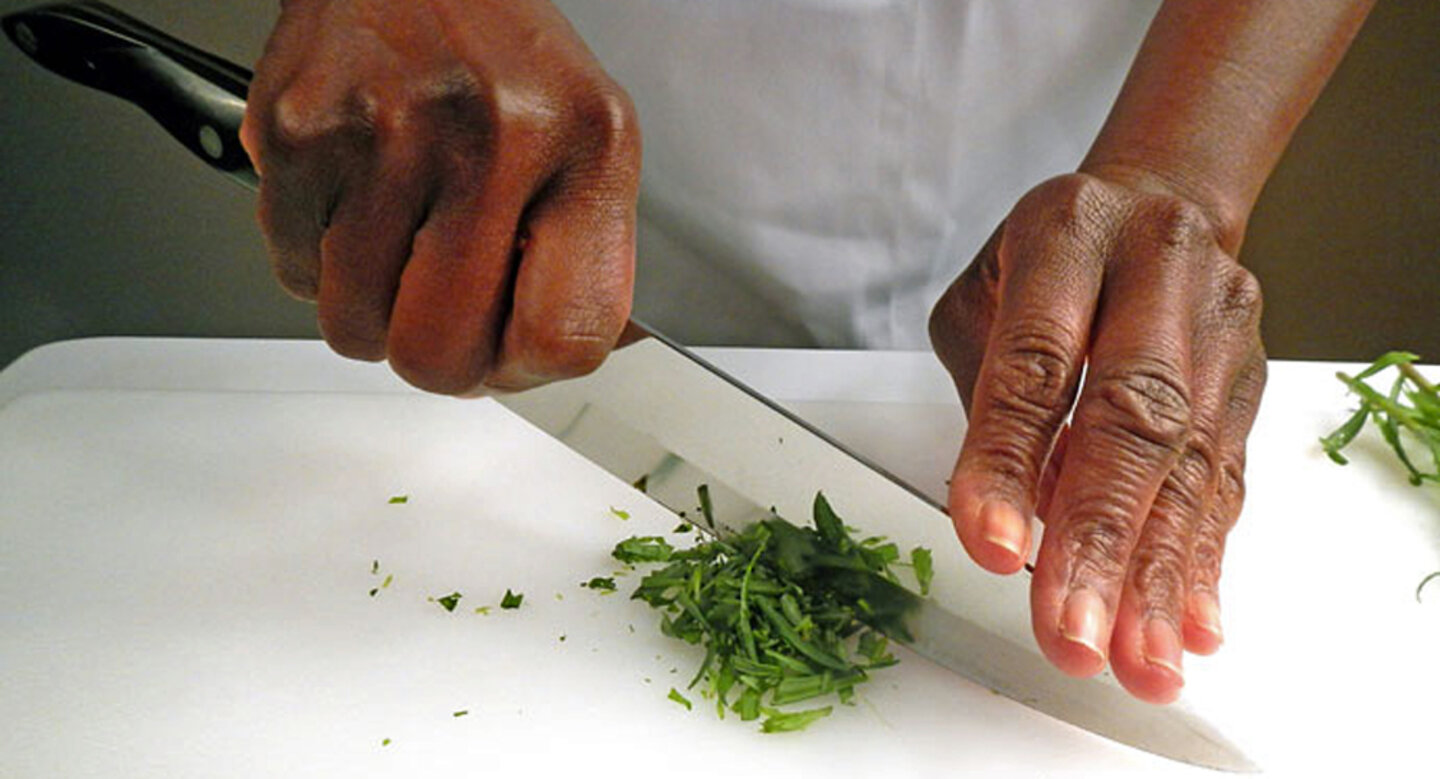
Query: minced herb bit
[461,713]
[643,549]
[385,742]
[786,614]
[482,610]
[680,699]
[399,499]
[619,513]
[511,600]
[449,601]
[601,583]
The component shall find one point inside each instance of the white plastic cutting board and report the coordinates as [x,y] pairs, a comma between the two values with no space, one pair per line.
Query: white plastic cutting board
[186,552]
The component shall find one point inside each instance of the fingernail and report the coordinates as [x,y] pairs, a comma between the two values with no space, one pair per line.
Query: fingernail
[1163,647]
[1083,619]
[1206,609]
[1003,526]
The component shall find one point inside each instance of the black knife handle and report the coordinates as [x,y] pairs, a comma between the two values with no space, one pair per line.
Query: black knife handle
[197,97]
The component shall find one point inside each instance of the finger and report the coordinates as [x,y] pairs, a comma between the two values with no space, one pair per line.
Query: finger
[574,285]
[365,249]
[454,292]
[960,323]
[1131,424]
[1051,477]
[1202,626]
[293,211]
[1146,648]
[305,147]
[1050,276]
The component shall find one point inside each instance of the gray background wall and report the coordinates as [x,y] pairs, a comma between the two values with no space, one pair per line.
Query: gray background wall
[108,229]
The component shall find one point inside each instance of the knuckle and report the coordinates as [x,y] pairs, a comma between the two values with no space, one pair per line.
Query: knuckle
[430,370]
[299,123]
[1146,405]
[1075,205]
[1241,299]
[570,349]
[1187,489]
[1209,544]
[354,342]
[298,277]
[1032,374]
[1098,537]
[570,344]
[1012,463]
[1230,493]
[1159,572]
[1205,562]
[354,332]
[1177,224]
[608,115]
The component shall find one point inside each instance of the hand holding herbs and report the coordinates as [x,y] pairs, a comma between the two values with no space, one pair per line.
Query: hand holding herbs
[786,614]
[1410,410]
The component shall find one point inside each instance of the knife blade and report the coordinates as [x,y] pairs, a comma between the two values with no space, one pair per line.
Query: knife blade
[657,412]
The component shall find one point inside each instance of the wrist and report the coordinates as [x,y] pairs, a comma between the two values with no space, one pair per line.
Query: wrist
[1227,215]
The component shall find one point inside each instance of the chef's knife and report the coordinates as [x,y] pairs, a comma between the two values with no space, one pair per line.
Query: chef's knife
[656,414]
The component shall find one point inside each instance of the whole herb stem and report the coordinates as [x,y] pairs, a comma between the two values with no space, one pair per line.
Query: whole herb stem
[1414,375]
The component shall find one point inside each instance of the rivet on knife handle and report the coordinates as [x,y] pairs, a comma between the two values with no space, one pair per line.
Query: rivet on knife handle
[197,97]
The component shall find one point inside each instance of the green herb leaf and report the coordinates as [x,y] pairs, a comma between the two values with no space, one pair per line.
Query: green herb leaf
[511,600]
[924,564]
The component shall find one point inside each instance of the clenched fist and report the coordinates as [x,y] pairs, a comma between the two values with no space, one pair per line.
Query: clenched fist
[453,181]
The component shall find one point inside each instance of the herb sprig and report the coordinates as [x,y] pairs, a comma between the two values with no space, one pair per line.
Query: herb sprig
[785,614]
[1410,409]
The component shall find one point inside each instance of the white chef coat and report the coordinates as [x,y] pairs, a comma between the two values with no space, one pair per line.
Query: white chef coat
[817,172]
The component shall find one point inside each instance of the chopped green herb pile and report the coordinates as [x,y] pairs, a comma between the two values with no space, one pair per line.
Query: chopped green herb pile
[1410,409]
[786,614]
[511,600]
